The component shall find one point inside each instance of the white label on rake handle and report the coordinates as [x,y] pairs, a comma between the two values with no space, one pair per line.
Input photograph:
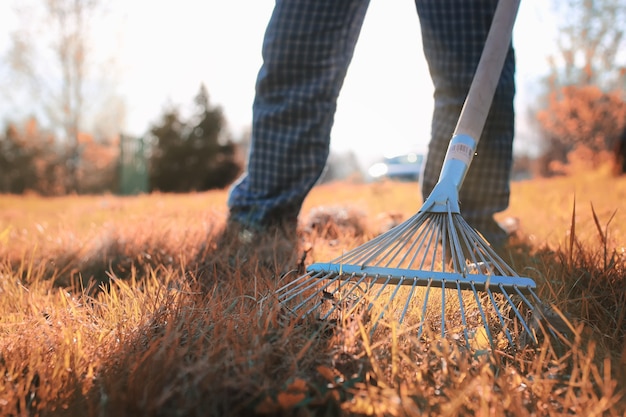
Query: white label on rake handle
[461,152]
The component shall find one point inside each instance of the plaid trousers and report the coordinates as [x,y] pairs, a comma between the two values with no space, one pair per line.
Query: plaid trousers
[307,48]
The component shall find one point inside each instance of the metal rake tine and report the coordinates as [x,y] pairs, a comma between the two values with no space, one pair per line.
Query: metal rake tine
[355,285]
[462,308]
[455,247]
[310,282]
[442,239]
[433,243]
[393,251]
[316,293]
[293,294]
[523,297]
[482,314]
[500,317]
[515,310]
[389,301]
[390,253]
[502,267]
[373,248]
[541,304]
[534,309]
[474,245]
[297,282]
[443,308]
[423,317]
[435,236]
[408,300]
[339,290]
[413,249]
[535,297]
[420,239]
[380,291]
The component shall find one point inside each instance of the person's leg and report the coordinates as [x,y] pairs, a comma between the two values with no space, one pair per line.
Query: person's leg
[306,51]
[453,33]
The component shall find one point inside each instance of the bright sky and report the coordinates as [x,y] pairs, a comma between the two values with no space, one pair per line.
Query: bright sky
[164,49]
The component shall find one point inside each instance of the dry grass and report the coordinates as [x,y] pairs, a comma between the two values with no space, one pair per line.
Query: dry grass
[101,313]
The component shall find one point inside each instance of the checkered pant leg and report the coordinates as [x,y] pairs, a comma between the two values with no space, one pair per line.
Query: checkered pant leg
[453,34]
[307,48]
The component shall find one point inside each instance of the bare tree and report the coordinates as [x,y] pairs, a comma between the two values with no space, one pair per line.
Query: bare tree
[584,117]
[51,51]
[591,36]
[584,93]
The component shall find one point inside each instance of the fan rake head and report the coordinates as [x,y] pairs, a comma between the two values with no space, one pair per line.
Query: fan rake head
[406,272]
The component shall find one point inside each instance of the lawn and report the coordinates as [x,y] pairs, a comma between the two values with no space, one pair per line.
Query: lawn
[105,312]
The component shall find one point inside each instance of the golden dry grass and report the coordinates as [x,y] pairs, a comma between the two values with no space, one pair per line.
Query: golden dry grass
[101,314]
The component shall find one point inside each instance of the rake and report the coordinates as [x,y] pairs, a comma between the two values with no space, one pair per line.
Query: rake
[435,254]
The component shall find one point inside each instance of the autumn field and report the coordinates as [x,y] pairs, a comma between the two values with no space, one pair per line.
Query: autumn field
[117,306]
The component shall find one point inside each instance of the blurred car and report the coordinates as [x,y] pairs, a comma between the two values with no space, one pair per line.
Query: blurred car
[404,167]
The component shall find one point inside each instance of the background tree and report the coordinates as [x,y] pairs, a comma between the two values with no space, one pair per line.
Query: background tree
[193,155]
[591,34]
[584,117]
[168,158]
[584,100]
[98,172]
[30,161]
[51,51]
[217,152]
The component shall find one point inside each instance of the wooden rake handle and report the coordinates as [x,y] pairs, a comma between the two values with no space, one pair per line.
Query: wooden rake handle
[478,102]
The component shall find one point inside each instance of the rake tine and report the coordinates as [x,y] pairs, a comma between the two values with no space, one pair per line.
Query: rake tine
[423,317]
[523,297]
[482,314]
[469,246]
[474,246]
[418,242]
[515,310]
[329,295]
[380,291]
[541,313]
[332,278]
[462,308]
[393,251]
[308,284]
[352,289]
[408,300]
[535,297]
[500,317]
[447,236]
[443,308]
[540,303]
[502,267]
[389,301]
[342,296]
[460,242]
[419,238]
[297,283]
[373,249]
[455,246]
[435,236]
